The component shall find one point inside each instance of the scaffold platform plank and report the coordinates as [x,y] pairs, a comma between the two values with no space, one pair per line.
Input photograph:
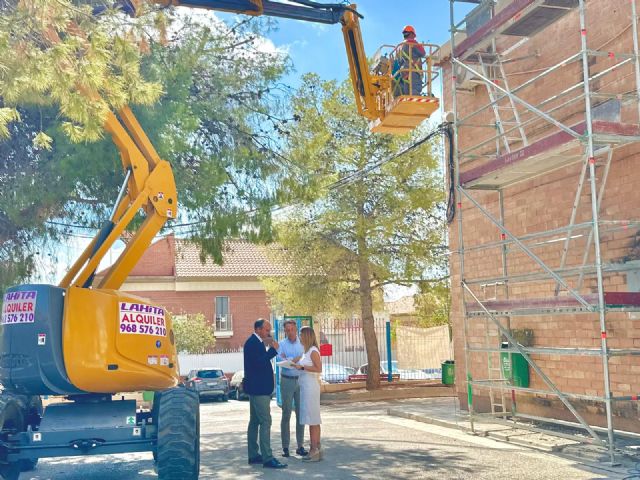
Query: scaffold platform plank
[521,18]
[618,301]
[545,155]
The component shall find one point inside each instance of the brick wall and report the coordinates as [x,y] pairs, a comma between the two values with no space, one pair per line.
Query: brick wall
[245,307]
[545,203]
[158,259]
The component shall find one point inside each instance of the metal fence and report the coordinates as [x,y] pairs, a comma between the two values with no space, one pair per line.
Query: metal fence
[415,353]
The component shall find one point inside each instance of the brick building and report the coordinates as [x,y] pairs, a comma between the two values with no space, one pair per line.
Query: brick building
[230,295]
[541,174]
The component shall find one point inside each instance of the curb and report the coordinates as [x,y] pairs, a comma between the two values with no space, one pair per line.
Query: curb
[515,437]
[432,391]
[430,420]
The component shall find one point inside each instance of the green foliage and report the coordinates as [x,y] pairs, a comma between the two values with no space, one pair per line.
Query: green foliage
[433,304]
[352,234]
[55,53]
[323,277]
[218,124]
[214,123]
[193,334]
[389,219]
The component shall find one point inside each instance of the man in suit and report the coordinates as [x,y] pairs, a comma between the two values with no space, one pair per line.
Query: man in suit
[259,349]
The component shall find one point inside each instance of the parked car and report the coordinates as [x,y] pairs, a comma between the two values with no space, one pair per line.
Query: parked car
[209,382]
[405,374]
[235,386]
[433,373]
[334,373]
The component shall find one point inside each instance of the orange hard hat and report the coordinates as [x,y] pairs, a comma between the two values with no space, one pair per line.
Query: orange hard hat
[409,28]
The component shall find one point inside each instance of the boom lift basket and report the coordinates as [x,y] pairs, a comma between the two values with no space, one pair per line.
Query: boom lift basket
[405,97]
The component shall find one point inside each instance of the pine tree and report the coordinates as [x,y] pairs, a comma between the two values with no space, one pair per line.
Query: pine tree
[357,232]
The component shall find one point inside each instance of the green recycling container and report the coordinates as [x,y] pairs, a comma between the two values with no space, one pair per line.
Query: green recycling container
[147,396]
[515,371]
[448,372]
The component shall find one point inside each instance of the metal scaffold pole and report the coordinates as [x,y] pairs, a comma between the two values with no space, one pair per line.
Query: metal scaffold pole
[456,173]
[601,103]
[590,158]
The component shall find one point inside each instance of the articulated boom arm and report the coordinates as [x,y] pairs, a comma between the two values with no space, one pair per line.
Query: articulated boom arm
[149,182]
[149,185]
[364,88]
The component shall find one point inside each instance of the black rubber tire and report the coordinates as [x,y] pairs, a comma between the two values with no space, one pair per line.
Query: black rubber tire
[34,414]
[13,410]
[178,449]
[10,471]
[155,406]
[225,398]
[28,465]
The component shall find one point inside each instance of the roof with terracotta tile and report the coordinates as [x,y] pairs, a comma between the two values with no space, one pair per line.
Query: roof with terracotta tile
[240,259]
[404,305]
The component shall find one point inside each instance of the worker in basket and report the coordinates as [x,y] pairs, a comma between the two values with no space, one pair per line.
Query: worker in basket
[407,66]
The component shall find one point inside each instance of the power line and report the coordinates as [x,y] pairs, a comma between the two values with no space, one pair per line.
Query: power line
[441,129]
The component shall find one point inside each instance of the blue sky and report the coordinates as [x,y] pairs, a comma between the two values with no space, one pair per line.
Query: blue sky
[320,48]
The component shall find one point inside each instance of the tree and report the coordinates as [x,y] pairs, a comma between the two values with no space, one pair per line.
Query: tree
[54,56]
[193,334]
[355,232]
[56,53]
[214,122]
[433,304]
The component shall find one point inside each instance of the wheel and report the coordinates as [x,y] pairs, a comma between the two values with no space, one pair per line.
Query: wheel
[10,471]
[154,418]
[28,464]
[225,397]
[12,418]
[34,415]
[178,449]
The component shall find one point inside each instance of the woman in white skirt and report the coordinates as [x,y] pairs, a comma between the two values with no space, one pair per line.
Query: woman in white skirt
[309,381]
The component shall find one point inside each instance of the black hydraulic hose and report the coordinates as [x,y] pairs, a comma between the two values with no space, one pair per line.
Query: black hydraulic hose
[451,197]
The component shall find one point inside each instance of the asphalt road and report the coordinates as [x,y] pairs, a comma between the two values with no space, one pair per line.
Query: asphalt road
[360,441]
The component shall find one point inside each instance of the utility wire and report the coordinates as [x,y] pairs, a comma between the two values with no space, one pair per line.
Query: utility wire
[442,129]
[352,177]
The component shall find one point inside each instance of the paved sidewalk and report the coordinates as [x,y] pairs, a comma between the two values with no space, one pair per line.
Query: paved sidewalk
[445,412]
[362,442]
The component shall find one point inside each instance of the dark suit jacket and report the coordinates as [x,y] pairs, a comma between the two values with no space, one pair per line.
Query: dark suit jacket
[258,372]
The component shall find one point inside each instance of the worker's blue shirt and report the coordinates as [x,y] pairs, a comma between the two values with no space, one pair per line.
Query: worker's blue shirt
[290,350]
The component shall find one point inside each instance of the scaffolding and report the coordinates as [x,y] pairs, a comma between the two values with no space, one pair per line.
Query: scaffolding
[532,126]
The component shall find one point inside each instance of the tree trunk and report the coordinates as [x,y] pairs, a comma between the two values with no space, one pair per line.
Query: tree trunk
[366,309]
[368,327]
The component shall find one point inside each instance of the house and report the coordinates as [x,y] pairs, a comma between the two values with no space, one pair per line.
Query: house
[231,296]
[402,310]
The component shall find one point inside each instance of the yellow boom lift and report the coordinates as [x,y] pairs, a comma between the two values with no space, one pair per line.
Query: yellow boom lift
[86,340]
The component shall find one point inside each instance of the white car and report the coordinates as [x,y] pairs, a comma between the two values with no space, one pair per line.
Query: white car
[334,373]
[405,374]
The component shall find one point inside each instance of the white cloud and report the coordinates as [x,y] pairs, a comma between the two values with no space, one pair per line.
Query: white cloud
[53,263]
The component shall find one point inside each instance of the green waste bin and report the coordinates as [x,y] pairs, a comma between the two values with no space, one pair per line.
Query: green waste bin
[516,369]
[448,372]
[147,396]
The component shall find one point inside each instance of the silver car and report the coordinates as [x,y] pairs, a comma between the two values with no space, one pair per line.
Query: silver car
[334,373]
[209,382]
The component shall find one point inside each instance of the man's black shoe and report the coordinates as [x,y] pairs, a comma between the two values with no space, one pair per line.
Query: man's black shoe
[285,452]
[273,463]
[302,452]
[255,460]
